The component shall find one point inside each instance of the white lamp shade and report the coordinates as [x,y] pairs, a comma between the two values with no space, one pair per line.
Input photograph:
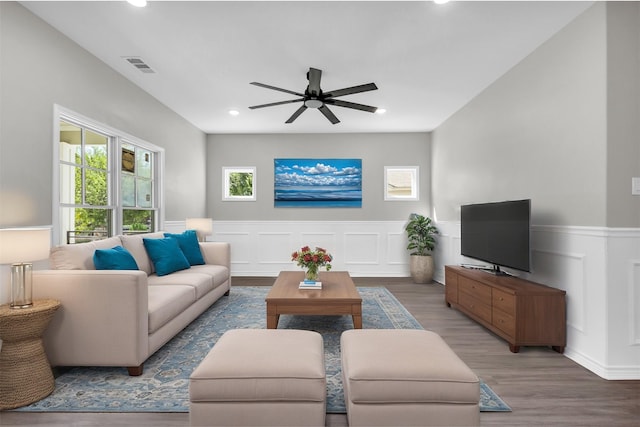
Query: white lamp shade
[204,226]
[24,244]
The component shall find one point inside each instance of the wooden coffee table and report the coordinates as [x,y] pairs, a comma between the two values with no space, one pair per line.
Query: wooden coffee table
[338,296]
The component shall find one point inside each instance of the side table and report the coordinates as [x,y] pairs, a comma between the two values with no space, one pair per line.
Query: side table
[25,373]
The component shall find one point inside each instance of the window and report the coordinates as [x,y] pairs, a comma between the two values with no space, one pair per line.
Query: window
[401,183]
[85,209]
[239,184]
[136,183]
[108,182]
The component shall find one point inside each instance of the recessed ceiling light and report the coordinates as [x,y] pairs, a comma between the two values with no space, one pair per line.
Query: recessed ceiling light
[234,112]
[137,3]
[440,1]
[381,111]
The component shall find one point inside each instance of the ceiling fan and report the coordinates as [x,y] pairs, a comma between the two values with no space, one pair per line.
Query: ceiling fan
[314,97]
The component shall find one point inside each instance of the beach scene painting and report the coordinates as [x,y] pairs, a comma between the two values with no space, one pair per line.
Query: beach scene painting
[318,183]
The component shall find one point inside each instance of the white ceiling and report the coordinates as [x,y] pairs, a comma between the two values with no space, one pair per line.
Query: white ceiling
[427,60]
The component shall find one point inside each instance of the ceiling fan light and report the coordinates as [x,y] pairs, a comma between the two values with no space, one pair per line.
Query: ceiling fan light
[137,3]
[313,103]
[381,110]
[234,112]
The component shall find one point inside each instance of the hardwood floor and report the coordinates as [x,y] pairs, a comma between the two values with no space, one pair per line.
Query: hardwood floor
[541,386]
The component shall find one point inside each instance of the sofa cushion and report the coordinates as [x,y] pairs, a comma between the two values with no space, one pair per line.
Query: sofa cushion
[166,255]
[117,258]
[189,245]
[202,283]
[410,366]
[133,243]
[262,365]
[166,302]
[80,255]
[219,273]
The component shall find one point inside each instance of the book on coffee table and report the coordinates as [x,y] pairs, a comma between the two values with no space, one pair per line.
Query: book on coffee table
[310,285]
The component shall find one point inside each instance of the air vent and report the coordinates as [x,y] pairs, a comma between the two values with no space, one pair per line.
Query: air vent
[139,63]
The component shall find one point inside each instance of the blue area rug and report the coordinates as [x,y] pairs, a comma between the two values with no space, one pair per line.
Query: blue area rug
[164,385]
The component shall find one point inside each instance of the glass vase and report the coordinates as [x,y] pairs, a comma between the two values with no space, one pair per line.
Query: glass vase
[311,275]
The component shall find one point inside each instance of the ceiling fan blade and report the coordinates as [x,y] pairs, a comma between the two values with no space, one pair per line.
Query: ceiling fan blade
[276,103]
[349,90]
[276,88]
[314,81]
[296,114]
[328,114]
[347,104]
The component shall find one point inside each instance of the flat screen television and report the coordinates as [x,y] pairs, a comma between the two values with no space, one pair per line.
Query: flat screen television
[497,233]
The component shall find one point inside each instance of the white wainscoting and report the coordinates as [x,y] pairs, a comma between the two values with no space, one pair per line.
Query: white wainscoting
[599,268]
[263,248]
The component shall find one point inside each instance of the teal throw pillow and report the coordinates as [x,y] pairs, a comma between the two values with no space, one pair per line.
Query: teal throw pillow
[117,258]
[188,242]
[166,255]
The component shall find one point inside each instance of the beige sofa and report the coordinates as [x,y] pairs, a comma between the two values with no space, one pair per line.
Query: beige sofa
[121,317]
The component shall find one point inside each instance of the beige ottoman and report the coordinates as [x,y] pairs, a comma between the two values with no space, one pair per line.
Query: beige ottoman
[400,377]
[261,377]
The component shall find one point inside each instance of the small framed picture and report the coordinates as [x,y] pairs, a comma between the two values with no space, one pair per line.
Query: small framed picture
[239,184]
[128,160]
[401,183]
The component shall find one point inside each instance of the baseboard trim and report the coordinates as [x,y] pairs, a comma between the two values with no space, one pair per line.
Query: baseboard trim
[605,372]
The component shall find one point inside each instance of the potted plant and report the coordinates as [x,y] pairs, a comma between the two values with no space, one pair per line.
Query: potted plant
[421,236]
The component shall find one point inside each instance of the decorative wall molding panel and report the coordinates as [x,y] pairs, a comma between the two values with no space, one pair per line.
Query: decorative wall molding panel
[634,301]
[364,248]
[174,226]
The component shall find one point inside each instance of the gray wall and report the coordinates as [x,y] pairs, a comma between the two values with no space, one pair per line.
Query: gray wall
[539,132]
[375,150]
[40,67]
[623,112]
[560,128]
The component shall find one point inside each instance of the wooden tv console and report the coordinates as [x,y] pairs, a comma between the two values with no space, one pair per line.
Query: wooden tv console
[522,312]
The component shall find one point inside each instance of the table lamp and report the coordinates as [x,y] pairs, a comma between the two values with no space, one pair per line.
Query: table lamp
[203,227]
[18,247]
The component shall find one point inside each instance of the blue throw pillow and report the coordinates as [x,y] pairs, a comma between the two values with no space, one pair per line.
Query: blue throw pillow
[188,242]
[117,258]
[166,255]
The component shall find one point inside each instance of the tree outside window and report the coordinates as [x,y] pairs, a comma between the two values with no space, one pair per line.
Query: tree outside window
[241,184]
